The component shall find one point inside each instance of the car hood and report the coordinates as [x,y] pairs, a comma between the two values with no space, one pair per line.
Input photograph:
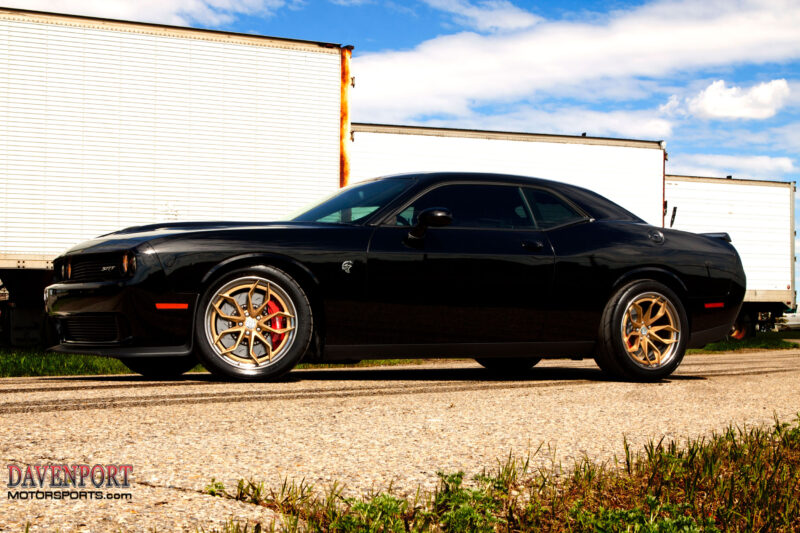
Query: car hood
[129,238]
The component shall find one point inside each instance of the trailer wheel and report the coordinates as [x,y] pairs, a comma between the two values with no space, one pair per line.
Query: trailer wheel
[743,327]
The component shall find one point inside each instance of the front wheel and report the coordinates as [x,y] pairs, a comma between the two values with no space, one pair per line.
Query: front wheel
[643,332]
[254,323]
[160,367]
[508,364]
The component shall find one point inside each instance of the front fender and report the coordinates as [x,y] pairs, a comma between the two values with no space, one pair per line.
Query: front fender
[260,258]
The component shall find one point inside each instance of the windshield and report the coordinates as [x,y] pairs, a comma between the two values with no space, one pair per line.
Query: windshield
[355,203]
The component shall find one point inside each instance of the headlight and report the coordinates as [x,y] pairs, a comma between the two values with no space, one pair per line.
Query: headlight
[128,263]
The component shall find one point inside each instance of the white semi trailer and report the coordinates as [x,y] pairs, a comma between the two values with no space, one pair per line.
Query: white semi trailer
[759,217]
[629,172]
[106,124]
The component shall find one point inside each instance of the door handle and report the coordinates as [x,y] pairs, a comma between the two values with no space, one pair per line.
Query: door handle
[533,246]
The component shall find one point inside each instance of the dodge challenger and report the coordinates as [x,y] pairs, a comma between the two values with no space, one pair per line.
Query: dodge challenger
[503,269]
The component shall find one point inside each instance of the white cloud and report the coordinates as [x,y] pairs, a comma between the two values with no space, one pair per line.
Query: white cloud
[176,12]
[488,15]
[739,166]
[672,107]
[455,73]
[760,101]
[568,121]
[794,94]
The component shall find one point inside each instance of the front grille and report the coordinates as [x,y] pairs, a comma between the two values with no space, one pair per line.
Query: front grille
[96,268]
[90,328]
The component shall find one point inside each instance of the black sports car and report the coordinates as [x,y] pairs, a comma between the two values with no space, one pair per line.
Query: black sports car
[503,269]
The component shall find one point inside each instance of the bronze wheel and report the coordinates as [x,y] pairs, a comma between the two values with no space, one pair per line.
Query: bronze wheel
[253,324]
[250,322]
[643,332]
[650,330]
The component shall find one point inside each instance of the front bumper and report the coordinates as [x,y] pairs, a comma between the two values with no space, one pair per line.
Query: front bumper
[119,318]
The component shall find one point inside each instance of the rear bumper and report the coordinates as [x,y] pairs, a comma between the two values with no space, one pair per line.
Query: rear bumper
[705,336]
[713,316]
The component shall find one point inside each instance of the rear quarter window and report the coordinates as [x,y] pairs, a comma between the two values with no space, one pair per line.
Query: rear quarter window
[549,210]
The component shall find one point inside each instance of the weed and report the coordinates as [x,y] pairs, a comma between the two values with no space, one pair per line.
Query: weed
[738,480]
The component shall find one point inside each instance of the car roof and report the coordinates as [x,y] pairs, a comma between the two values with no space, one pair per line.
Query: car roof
[591,202]
[489,177]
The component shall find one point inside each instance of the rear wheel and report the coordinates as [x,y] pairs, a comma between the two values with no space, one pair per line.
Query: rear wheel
[508,364]
[643,332]
[160,367]
[254,323]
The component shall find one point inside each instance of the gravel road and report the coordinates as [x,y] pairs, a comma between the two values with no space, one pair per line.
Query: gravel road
[363,427]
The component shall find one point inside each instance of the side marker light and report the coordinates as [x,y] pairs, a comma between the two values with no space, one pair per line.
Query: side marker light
[163,306]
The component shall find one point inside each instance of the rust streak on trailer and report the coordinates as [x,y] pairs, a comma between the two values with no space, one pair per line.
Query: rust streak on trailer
[344,119]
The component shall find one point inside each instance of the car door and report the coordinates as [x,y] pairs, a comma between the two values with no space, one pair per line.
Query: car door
[583,255]
[484,278]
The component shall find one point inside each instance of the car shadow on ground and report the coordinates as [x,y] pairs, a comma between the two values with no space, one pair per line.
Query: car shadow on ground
[457,374]
[383,374]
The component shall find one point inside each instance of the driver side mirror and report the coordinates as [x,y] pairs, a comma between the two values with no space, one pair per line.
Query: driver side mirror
[432,217]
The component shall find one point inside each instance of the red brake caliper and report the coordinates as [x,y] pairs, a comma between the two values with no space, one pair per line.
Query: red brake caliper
[275,323]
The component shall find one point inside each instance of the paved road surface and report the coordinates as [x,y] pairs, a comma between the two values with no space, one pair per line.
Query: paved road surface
[363,427]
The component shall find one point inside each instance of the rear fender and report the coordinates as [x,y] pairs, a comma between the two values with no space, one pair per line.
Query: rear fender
[668,278]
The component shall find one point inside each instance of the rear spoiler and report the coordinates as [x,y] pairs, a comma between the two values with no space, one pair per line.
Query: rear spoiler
[724,236]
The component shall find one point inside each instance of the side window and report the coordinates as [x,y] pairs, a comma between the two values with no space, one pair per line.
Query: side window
[549,210]
[473,206]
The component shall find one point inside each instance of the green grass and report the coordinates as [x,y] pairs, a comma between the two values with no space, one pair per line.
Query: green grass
[25,363]
[762,341]
[19,362]
[738,480]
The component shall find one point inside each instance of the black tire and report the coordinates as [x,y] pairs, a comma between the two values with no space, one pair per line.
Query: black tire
[605,367]
[259,358]
[651,356]
[160,367]
[508,364]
